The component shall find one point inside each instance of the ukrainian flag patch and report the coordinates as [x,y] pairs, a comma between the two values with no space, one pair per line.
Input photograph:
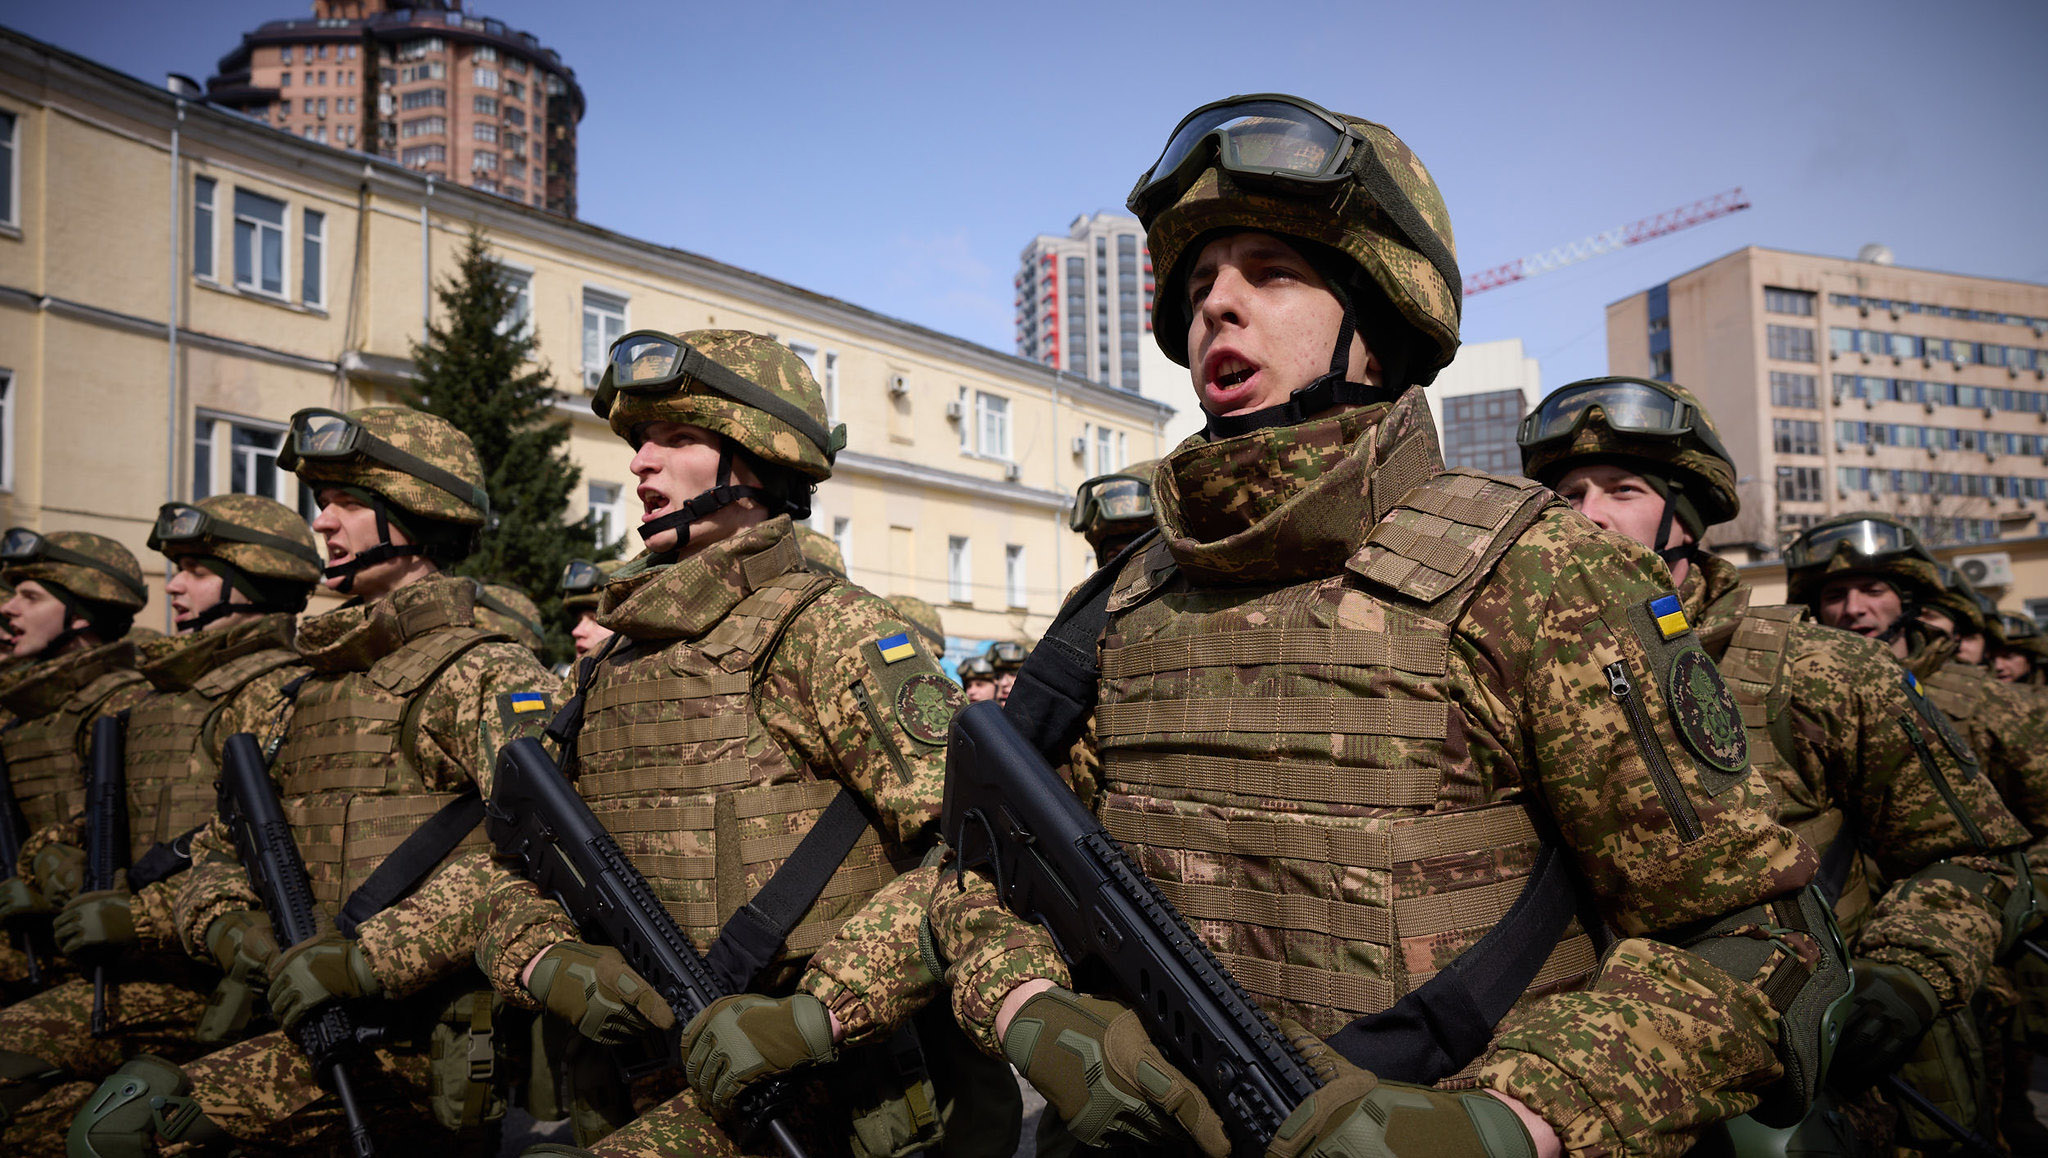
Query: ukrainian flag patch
[1913,682]
[895,647]
[523,702]
[1670,616]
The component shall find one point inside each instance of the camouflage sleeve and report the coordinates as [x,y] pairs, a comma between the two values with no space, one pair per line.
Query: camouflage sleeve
[71,832]
[2010,735]
[873,974]
[215,884]
[987,951]
[435,930]
[151,910]
[518,922]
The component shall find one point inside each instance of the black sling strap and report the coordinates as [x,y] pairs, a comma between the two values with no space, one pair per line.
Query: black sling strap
[1055,689]
[756,932]
[1835,863]
[412,860]
[568,722]
[162,861]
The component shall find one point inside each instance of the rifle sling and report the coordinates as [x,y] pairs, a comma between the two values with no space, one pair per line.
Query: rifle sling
[164,860]
[755,933]
[1835,864]
[412,860]
[1055,690]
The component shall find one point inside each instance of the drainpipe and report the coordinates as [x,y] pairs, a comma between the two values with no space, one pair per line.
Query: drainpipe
[172,405]
[426,264]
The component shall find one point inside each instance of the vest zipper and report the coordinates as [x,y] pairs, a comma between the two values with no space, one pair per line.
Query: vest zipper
[1668,787]
[1941,784]
[867,704]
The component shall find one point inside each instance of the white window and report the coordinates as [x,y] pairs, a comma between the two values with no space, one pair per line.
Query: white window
[484,106]
[831,387]
[959,570]
[202,227]
[1104,442]
[10,184]
[259,242]
[1013,573]
[313,259]
[484,54]
[992,424]
[6,430]
[1123,450]
[842,538]
[604,319]
[484,162]
[604,511]
[966,423]
[486,78]
[809,355]
[233,455]
[520,282]
[484,132]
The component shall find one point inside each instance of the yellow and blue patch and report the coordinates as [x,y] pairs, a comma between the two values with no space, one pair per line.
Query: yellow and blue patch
[524,702]
[1913,682]
[895,647]
[1669,615]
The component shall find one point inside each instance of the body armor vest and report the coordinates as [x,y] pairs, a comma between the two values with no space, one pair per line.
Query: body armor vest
[353,781]
[170,745]
[1291,765]
[43,751]
[674,759]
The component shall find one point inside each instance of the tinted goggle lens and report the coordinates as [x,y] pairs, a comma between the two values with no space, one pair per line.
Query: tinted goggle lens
[640,361]
[579,577]
[176,523]
[323,435]
[21,545]
[1866,537]
[1626,405]
[1007,653]
[1263,135]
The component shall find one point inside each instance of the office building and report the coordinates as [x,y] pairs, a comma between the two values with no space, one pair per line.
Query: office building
[1478,402]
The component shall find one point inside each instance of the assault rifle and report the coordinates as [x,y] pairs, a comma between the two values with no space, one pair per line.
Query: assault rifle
[106,833]
[1006,810]
[14,830]
[249,807]
[536,816]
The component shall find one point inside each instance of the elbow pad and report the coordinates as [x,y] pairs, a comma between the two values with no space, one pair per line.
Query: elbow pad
[1807,994]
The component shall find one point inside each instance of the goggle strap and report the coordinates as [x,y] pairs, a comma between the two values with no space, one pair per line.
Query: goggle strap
[370,446]
[1392,201]
[717,377]
[1305,403]
[215,529]
[50,552]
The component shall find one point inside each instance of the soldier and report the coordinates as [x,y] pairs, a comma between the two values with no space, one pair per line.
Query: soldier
[1112,510]
[75,598]
[580,583]
[1006,658]
[819,551]
[511,613]
[2022,649]
[399,720]
[978,676]
[1349,697]
[925,618]
[1855,756]
[245,566]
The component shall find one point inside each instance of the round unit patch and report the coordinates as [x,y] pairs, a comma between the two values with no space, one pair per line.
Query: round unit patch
[926,703]
[1705,714]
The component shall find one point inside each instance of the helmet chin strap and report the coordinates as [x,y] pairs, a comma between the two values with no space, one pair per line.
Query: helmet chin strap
[224,608]
[1670,553]
[384,551]
[1330,390]
[722,495]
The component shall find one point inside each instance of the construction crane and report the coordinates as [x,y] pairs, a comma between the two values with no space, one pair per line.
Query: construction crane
[1634,233]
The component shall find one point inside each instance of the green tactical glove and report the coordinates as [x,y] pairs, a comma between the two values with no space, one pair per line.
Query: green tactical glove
[96,919]
[18,898]
[1092,1061]
[59,871]
[1355,1113]
[1890,1010]
[318,970]
[591,988]
[739,1040]
[241,942]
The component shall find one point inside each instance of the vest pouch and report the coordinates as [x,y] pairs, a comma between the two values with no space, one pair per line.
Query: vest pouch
[886,1089]
[466,1071]
[1950,1067]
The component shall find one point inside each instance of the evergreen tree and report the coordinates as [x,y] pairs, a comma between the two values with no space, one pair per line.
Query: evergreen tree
[476,370]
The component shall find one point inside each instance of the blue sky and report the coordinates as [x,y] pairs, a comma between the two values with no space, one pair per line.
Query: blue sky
[900,155]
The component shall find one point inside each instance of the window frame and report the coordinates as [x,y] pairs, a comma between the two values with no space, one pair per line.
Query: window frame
[284,255]
[986,408]
[7,382]
[594,357]
[313,257]
[605,515]
[1016,590]
[209,247]
[960,569]
[10,181]
[207,427]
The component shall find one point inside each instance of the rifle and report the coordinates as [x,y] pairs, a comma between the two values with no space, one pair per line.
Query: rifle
[535,816]
[106,832]
[14,830]
[1008,811]
[249,807]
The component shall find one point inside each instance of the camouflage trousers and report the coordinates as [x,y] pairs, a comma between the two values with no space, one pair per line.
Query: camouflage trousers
[264,1093]
[56,1025]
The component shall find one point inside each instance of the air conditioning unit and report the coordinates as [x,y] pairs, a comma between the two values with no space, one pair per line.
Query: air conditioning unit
[1080,445]
[899,386]
[1012,472]
[1993,569]
[955,409]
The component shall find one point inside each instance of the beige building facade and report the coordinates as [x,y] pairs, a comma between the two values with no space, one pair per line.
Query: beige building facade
[176,280]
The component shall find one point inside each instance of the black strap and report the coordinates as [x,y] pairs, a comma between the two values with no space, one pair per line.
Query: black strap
[1435,1031]
[413,859]
[1313,399]
[1835,863]
[1055,689]
[756,932]
[568,721]
[164,860]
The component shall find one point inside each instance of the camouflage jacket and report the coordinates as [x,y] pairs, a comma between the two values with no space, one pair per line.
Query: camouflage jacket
[1850,756]
[1273,533]
[489,693]
[2007,726]
[53,704]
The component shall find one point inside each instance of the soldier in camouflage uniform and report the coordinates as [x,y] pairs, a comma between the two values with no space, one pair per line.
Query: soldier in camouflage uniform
[978,676]
[75,598]
[580,583]
[1861,766]
[1006,658]
[2021,650]
[511,613]
[1349,696]
[819,551]
[245,566]
[1112,510]
[402,714]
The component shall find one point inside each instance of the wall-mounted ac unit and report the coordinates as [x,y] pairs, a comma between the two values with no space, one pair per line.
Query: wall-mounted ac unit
[1013,472]
[1992,569]
[1080,445]
[955,409]
[898,386]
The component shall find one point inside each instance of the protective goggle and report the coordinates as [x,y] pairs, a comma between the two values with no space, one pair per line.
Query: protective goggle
[976,668]
[1006,654]
[2016,627]
[581,578]
[1627,407]
[1268,136]
[649,362]
[181,524]
[319,435]
[1110,498]
[21,547]
[1869,538]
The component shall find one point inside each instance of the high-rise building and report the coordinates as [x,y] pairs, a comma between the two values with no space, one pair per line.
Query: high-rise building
[420,81]
[1841,385]
[1478,402]
[1084,301]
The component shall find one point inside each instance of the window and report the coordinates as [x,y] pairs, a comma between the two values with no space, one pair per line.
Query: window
[842,538]
[485,78]
[6,430]
[1790,343]
[992,424]
[808,355]
[487,162]
[604,319]
[321,52]
[487,133]
[514,115]
[484,54]
[604,511]
[1660,364]
[1013,574]
[1793,436]
[259,242]
[1103,443]
[1785,301]
[9,150]
[284,55]
[202,227]
[313,259]
[426,98]
[284,80]
[432,70]
[1799,484]
[520,283]
[959,570]
[831,388]
[515,90]
[516,64]
[423,127]
[484,106]
[1798,390]
[422,155]
[238,456]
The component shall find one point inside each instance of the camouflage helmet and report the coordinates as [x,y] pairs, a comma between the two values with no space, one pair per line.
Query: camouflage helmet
[922,616]
[583,581]
[1958,600]
[416,462]
[1284,166]
[976,667]
[509,610]
[1861,543]
[1006,655]
[1119,502]
[745,386]
[91,568]
[260,537]
[1638,423]
[820,551]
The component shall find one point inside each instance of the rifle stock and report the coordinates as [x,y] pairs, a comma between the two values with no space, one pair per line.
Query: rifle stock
[536,817]
[1007,811]
[106,833]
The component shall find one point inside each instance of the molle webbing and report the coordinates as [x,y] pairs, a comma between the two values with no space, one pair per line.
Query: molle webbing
[1424,655]
[1198,718]
[43,761]
[1955,692]
[1441,540]
[345,839]
[170,771]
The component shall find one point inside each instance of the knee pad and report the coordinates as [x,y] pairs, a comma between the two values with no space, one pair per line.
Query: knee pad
[146,1099]
[23,1079]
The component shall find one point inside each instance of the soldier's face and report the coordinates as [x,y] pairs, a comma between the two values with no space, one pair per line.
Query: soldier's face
[349,527]
[1262,324]
[1861,604]
[34,616]
[979,690]
[588,634]
[1970,649]
[194,588]
[675,463]
[1004,682]
[2010,666]
[1619,500]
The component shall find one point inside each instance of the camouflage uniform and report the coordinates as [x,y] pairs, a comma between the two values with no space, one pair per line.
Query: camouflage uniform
[511,613]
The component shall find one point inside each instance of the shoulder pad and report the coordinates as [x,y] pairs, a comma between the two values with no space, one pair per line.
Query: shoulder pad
[408,669]
[1445,532]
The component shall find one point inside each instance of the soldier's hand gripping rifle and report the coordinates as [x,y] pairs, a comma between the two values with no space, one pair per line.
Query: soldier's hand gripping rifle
[249,807]
[106,833]
[14,830]
[536,816]
[1006,810]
